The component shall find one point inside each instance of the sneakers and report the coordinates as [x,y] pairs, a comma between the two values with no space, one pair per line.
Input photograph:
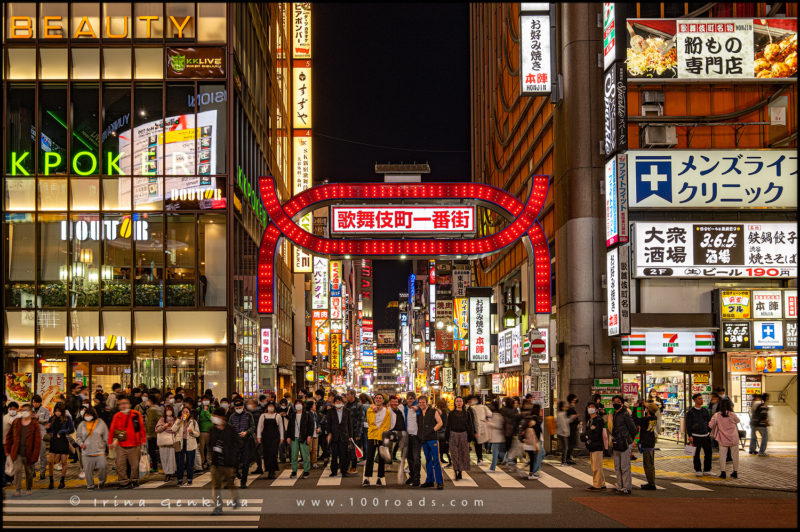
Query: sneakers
[352,470]
[623,492]
[734,475]
[305,474]
[426,485]
[571,462]
[365,483]
[90,488]
[333,474]
[481,462]
[409,482]
[592,488]
[439,486]
[293,475]
[648,487]
[698,473]
[58,467]
[490,471]
[415,484]
[81,475]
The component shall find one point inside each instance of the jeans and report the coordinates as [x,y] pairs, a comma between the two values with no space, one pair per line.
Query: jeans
[536,461]
[649,461]
[372,450]
[704,443]
[622,468]
[302,448]
[414,459]
[433,469]
[185,461]
[497,452]
[754,432]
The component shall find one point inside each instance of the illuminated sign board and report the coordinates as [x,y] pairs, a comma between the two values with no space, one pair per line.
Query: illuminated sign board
[536,75]
[301,29]
[95,344]
[479,324]
[105,230]
[266,345]
[301,73]
[402,219]
[509,347]
[112,27]
[320,284]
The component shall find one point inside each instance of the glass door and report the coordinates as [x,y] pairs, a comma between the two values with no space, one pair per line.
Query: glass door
[669,385]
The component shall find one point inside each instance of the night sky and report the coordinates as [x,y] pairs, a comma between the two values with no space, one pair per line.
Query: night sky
[385,77]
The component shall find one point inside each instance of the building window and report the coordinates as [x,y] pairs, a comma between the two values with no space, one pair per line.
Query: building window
[149,263]
[180,260]
[20,255]
[212,259]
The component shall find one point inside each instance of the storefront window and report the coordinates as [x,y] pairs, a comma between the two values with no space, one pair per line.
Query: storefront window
[20,129]
[18,369]
[20,257]
[196,327]
[20,194]
[85,231]
[630,360]
[21,63]
[53,124]
[117,323]
[20,9]
[85,130]
[85,323]
[669,386]
[147,136]
[148,367]
[85,193]
[89,28]
[55,367]
[115,271]
[212,112]
[19,327]
[85,63]
[149,63]
[57,27]
[211,25]
[116,120]
[152,28]
[53,194]
[179,141]
[180,260]
[117,63]
[118,25]
[53,264]
[52,326]
[149,264]
[212,240]
[117,194]
[185,16]
[211,365]
[179,367]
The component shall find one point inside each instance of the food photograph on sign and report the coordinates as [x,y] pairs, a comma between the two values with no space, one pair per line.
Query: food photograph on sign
[697,49]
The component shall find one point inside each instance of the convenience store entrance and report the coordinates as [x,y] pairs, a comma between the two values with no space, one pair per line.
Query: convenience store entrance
[675,388]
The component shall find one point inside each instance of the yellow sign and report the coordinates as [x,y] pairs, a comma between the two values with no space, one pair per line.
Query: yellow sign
[735,304]
[336,342]
[310,376]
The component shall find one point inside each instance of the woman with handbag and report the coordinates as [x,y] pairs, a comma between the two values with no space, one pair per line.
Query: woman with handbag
[459,431]
[186,432]
[91,438]
[596,439]
[532,440]
[165,440]
[724,429]
[57,429]
[22,443]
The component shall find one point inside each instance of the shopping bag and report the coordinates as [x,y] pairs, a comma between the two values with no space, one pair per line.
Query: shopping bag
[359,452]
[516,451]
[9,466]
[144,464]
[689,450]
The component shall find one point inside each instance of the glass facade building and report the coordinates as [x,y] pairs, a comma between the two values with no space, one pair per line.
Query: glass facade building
[134,134]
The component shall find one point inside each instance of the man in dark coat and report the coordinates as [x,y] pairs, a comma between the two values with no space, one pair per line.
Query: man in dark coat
[339,434]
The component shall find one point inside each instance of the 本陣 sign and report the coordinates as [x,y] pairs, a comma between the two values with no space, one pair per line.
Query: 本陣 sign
[685,249]
[206,62]
[534,46]
[719,179]
[668,343]
[396,219]
[767,304]
[479,324]
[712,49]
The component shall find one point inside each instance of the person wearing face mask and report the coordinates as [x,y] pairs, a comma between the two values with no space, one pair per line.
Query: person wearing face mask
[225,449]
[256,409]
[75,399]
[151,417]
[283,410]
[22,444]
[59,426]
[298,437]
[186,433]
[270,433]
[623,432]
[165,438]
[91,437]
[9,417]
[204,412]
[42,415]
[224,404]
[242,422]
[178,404]
[340,430]
[127,434]
[596,440]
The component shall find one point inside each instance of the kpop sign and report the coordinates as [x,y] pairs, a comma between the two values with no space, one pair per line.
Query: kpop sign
[479,324]
[402,219]
[509,347]
[534,46]
[692,250]
[266,345]
[319,296]
[616,200]
[615,96]
[712,49]
[713,179]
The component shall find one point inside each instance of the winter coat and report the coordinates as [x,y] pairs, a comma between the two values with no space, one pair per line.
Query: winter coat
[153,414]
[125,422]
[727,429]
[165,437]
[562,424]
[229,442]
[192,432]
[96,443]
[495,425]
[480,417]
[696,421]
[30,447]
[375,432]
[594,434]
[623,427]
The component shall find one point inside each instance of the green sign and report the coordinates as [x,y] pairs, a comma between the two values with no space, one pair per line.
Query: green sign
[251,195]
[52,160]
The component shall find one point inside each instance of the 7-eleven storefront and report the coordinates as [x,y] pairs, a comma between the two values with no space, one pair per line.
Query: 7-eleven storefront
[676,364]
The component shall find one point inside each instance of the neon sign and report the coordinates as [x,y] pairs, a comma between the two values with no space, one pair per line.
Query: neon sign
[402,219]
[95,344]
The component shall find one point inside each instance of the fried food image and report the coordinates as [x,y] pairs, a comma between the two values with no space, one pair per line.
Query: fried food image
[777,60]
[646,57]
[771,51]
[780,70]
[761,64]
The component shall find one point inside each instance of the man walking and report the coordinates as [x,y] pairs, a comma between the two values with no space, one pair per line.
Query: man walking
[42,415]
[759,421]
[357,421]
[225,444]
[414,443]
[428,422]
[623,432]
[298,437]
[696,423]
[242,423]
[127,433]
[340,430]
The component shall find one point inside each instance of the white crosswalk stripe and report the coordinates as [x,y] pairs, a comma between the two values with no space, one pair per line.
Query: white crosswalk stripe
[503,479]
[465,482]
[580,475]
[690,486]
[640,482]
[283,480]
[326,480]
[551,481]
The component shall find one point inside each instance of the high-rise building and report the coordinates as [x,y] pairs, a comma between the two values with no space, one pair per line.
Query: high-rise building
[134,134]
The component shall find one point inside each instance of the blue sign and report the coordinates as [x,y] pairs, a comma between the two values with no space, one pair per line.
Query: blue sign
[411,288]
[653,177]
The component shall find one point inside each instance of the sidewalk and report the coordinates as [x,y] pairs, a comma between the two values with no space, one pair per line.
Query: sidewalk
[776,471]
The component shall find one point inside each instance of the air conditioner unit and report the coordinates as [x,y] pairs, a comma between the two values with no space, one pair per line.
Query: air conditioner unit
[659,137]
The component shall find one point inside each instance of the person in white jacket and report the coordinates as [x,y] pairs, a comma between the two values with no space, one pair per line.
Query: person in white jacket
[91,437]
[497,438]
[186,431]
[480,418]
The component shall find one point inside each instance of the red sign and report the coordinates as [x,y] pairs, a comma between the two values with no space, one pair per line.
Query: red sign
[402,219]
[538,346]
[524,223]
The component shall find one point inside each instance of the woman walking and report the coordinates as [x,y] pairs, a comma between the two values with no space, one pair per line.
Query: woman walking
[596,440]
[533,444]
[186,433]
[165,439]
[725,424]
[270,434]
[562,423]
[459,431]
[22,444]
[444,447]
[497,438]
[59,426]
[91,437]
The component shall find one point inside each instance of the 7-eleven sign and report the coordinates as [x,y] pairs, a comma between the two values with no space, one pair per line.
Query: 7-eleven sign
[668,343]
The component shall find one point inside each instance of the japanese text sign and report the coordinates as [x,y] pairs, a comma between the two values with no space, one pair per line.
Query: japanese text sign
[403,219]
[767,335]
[461,280]
[336,278]
[767,304]
[735,304]
[736,335]
[301,30]
[320,284]
[616,200]
[713,179]
[266,345]
[692,250]
[479,324]
[509,347]
[536,75]
[616,109]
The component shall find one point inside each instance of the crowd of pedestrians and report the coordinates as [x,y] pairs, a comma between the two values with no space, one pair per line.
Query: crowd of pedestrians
[143,431]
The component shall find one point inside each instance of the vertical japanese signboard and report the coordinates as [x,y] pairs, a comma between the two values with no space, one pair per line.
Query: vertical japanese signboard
[509,347]
[479,324]
[301,26]
[266,345]
[612,291]
[536,73]
[461,281]
[301,82]
[616,109]
[335,351]
[336,294]
[319,297]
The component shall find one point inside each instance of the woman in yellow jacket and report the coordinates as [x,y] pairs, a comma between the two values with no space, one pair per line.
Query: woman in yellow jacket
[378,421]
